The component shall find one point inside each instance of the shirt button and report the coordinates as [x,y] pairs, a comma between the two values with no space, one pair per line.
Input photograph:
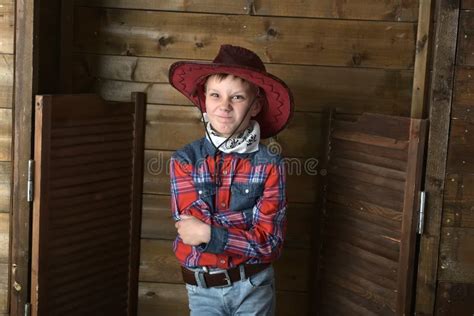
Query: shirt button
[223,204]
[222,261]
[246,190]
[200,191]
[224,172]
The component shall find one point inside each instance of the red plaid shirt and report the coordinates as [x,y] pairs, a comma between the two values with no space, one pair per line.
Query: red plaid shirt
[247,211]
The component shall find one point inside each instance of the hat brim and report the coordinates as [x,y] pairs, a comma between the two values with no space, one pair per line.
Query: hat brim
[189,78]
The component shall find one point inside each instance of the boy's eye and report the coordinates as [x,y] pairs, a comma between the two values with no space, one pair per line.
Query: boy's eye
[238,98]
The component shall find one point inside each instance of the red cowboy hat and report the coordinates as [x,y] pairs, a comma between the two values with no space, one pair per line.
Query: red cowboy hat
[189,79]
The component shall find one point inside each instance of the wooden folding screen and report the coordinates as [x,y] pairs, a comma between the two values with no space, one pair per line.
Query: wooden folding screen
[370,215]
[87,205]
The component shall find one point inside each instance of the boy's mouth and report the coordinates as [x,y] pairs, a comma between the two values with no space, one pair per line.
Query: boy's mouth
[224,117]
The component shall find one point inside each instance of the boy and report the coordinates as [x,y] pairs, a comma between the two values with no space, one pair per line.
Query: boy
[227,190]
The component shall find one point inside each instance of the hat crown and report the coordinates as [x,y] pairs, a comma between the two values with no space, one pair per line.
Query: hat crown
[239,56]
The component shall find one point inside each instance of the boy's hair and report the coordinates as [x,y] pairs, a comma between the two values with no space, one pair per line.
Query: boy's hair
[221,76]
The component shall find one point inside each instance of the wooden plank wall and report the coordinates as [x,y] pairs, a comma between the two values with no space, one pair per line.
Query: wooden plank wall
[7,31]
[353,56]
[455,291]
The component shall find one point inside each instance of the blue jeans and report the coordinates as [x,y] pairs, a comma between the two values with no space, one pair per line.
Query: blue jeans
[252,296]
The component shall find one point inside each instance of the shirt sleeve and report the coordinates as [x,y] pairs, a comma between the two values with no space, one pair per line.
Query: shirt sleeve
[265,239]
[184,198]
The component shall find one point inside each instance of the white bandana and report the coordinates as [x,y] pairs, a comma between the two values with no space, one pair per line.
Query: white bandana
[246,142]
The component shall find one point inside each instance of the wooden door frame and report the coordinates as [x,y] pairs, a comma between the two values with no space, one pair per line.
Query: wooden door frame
[33,52]
[440,102]
[25,86]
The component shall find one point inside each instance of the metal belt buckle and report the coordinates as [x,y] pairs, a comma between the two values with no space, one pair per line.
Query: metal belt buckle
[227,278]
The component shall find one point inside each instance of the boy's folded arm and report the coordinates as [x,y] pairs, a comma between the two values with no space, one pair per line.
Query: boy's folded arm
[216,244]
[264,240]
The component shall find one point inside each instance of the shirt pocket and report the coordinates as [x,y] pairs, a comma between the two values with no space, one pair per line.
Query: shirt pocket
[244,196]
[207,194]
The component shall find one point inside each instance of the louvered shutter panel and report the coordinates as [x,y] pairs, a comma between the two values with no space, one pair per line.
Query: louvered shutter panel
[87,205]
[369,215]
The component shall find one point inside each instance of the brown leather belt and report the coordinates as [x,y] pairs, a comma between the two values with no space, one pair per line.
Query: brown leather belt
[221,278]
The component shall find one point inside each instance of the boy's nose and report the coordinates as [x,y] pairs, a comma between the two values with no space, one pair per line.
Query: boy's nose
[226,105]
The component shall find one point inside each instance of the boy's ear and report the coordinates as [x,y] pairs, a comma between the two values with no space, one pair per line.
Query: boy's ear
[256,108]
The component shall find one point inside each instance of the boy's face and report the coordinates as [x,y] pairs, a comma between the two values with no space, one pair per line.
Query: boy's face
[227,101]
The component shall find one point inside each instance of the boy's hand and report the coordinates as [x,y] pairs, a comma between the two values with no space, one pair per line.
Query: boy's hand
[192,231]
